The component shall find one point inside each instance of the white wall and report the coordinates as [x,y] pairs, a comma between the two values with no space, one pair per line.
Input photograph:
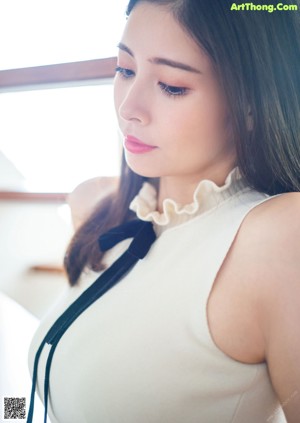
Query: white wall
[31,234]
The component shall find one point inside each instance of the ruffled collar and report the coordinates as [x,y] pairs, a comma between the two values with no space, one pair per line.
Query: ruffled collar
[206,196]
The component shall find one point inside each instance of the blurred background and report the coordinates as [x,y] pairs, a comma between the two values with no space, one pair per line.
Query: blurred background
[57,130]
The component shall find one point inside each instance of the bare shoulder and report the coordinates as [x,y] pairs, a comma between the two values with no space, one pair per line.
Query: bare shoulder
[86,195]
[274,223]
[277,207]
[270,240]
[268,243]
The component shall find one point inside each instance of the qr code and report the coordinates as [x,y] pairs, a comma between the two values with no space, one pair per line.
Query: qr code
[14,408]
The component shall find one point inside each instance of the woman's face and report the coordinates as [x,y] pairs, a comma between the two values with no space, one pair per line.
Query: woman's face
[167,96]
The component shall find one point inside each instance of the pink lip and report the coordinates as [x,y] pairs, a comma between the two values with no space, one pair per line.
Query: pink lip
[136,146]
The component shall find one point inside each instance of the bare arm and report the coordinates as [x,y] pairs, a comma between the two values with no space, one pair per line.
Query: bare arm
[279,299]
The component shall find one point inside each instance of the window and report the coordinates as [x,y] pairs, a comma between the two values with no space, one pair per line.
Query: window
[57,138]
[58,124]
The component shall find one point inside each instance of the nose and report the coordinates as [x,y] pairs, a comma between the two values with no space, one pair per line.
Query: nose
[133,101]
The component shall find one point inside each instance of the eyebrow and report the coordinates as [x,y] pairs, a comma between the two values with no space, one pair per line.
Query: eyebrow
[162,61]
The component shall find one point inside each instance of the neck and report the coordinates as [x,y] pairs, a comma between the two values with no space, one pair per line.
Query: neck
[181,188]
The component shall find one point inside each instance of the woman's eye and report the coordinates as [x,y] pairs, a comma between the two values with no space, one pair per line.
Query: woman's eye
[125,73]
[172,91]
[167,89]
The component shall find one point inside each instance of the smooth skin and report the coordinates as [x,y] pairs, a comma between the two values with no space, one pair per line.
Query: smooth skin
[254,307]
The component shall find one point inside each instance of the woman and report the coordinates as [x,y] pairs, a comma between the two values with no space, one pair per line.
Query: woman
[205,328]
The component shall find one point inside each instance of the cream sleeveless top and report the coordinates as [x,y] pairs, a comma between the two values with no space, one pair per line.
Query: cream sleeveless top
[143,353]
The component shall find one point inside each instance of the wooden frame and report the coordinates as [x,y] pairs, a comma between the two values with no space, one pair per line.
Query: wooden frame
[87,71]
[51,197]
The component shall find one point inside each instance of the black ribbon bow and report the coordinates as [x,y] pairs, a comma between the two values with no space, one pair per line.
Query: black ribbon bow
[143,237]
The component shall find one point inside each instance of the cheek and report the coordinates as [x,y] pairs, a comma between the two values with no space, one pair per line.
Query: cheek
[209,117]
[203,119]
[196,127]
[216,107]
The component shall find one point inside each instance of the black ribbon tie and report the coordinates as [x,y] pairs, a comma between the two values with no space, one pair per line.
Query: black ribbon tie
[143,237]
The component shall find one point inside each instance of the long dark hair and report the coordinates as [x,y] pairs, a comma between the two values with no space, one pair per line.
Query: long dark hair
[256,55]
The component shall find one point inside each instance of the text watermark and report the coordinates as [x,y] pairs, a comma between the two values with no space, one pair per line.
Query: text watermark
[280,7]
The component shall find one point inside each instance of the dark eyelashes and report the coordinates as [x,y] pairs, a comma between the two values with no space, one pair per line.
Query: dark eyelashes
[167,89]
[172,91]
[125,73]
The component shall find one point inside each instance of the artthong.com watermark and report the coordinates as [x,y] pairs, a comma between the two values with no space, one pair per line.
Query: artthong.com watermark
[280,7]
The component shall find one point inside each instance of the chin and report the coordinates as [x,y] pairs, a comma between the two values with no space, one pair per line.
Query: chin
[145,171]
